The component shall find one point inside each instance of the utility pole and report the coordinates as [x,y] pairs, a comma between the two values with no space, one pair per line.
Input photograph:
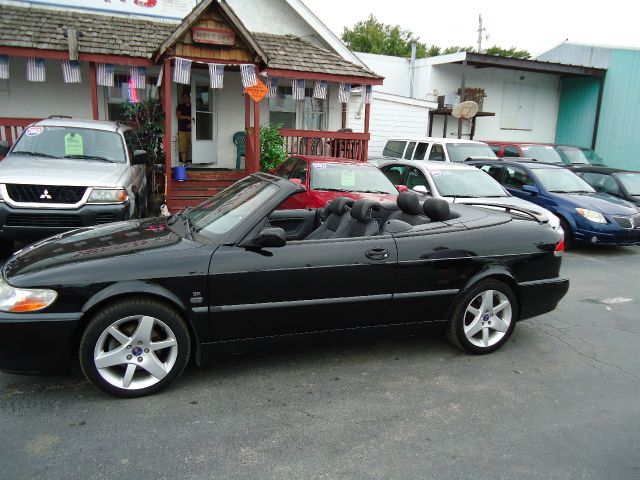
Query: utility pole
[480,33]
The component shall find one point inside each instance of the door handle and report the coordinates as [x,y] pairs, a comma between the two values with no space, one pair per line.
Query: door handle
[377,253]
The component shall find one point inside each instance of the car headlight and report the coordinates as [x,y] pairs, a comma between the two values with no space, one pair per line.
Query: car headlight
[17,300]
[592,216]
[108,195]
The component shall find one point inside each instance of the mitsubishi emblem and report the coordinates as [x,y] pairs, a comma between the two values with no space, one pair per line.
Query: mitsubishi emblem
[45,194]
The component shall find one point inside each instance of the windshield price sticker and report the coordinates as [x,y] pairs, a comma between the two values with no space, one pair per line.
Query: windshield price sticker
[319,165]
[73,144]
[33,131]
[348,178]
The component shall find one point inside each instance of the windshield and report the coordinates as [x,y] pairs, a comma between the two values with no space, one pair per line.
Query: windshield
[349,178]
[560,180]
[593,157]
[542,153]
[574,155]
[466,183]
[631,182]
[459,152]
[71,142]
[226,210]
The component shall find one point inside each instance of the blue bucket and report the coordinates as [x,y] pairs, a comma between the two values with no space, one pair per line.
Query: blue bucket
[180,173]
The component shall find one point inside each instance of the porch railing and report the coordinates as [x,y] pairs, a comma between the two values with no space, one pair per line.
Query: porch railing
[11,128]
[347,145]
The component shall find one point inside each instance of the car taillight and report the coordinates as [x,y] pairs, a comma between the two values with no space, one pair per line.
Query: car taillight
[559,248]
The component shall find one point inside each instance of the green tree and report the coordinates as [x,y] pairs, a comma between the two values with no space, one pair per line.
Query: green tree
[508,52]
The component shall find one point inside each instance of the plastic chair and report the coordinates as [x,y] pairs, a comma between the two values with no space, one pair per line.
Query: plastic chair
[238,140]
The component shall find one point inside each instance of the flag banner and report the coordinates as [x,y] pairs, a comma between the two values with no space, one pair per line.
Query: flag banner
[104,74]
[71,71]
[160,76]
[35,70]
[248,73]
[216,75]
[182,71]
[297,89]
[273,87]
[4,67]
[138,77]
[368,94]
[320,89]
[343,92]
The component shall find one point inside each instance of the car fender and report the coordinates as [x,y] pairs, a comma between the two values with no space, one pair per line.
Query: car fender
[493,271]
[135,287]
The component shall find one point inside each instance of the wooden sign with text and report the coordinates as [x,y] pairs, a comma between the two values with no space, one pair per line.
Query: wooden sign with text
[213,36]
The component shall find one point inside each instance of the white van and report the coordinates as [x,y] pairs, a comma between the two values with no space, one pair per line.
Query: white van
[434,149]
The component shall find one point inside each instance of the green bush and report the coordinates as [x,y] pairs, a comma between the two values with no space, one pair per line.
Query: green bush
[272,152]
[147,119]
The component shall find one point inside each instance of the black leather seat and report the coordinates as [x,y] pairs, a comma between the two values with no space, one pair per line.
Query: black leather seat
[337,220]
[362,223]
[411,211]
[437,209]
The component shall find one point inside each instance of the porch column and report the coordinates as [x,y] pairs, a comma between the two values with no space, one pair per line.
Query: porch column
[344,115]
[93,82]
[367,115]
[255,165]
[166,141]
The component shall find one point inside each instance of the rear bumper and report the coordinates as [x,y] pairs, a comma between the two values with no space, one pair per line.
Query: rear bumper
[541,296]
[36,343]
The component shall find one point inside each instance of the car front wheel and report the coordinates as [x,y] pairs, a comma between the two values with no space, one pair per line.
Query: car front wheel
[483,317]
[134,347]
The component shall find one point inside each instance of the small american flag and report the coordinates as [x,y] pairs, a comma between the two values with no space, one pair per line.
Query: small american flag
[104,74]
[248,73]
[216,75]
[368,94]
[71,71]
[182,71]
[320,89]
[297,88]
[273,87]
[343,92]
[139,77]
[35,70]
[4,67]
[160,76]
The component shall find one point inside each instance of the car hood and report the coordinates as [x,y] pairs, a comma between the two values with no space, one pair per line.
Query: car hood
[324,197]
[95,243]
[53,171]
[599,202]
[506,201]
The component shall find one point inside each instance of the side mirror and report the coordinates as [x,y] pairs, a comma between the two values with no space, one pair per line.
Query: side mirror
[402,188]
[270,237]
[532,189]
[140,157]
[421,189]
[4,147]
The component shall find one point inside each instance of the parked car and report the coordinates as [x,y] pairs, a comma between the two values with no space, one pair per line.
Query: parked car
[536,151]
[592,157]
[458,183]
[170,289]
[623,184]
[572,155]
[585,215]
[431,148]
[63,174]
[325,178]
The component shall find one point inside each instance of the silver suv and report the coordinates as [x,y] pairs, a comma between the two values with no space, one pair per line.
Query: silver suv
[63,174]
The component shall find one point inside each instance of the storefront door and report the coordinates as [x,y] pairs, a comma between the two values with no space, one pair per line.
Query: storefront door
[204,112]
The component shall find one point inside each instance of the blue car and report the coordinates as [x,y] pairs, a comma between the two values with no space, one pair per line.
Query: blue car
[585,215]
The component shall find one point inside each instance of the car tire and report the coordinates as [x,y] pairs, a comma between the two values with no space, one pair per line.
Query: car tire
[483,317]
[568,236]
[134,347]
[6,248]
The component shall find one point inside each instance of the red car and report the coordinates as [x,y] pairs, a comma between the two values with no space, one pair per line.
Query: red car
[326,178]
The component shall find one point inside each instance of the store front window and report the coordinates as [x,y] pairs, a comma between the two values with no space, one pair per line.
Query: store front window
[122,92]
[310,114]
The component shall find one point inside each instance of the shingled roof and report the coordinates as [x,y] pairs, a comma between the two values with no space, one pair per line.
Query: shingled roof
[286,52]
[42,28]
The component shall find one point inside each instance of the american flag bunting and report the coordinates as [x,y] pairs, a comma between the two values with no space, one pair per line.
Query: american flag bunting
[139,77]
[36,70]
[248,73]
[320,89]
[216,75]
[71,71]
[104,74]
[368,94]
[344,92]
[4,67]
[297,89]
[273,87]
[160,76]
[182,71]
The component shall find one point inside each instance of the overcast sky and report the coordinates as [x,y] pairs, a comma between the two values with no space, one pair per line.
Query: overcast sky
[533,26]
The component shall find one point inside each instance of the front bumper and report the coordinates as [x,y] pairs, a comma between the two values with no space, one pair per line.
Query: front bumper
[36,343]
[36,223]
[615,236]
[541,296]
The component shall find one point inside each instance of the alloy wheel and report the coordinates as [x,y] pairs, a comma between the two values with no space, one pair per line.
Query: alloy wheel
[487,318]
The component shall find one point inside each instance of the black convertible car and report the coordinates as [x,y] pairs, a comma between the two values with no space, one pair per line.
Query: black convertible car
[136,300]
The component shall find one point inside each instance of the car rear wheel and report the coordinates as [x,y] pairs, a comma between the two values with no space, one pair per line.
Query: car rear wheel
[134,347]
[484,317]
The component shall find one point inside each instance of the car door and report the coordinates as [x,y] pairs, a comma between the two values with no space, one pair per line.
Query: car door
[304,286]
[395,173]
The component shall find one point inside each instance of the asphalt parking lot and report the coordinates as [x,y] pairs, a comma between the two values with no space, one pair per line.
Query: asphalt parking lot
[560,401]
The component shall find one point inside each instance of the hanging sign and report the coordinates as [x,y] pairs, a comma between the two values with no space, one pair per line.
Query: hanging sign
[258,91]
[73,144]
[213,36]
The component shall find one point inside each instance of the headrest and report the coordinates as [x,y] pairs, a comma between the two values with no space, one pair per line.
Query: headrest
[339,205]
[436,209]
[361,209]
[409,202]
